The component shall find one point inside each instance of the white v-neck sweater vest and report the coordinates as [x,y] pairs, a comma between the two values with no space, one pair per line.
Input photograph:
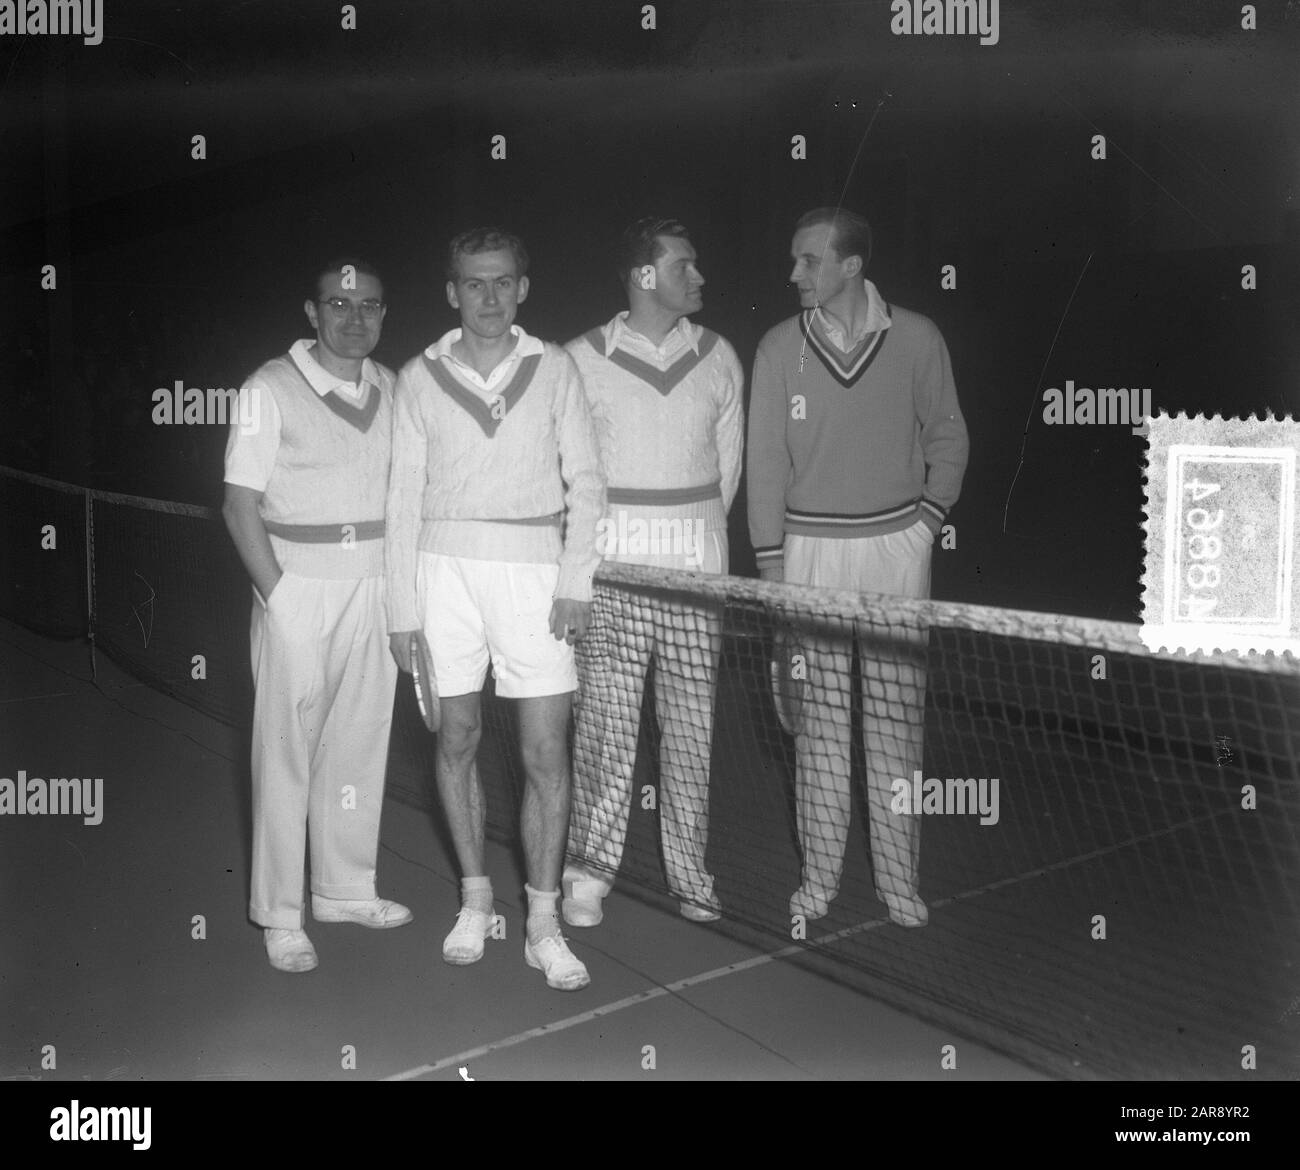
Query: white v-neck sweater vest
[323,506]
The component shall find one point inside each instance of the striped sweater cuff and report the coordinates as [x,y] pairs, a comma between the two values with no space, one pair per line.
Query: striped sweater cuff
[771,557]
[933,515]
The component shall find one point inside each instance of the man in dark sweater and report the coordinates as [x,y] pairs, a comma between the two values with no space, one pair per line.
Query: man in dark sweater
[856,452]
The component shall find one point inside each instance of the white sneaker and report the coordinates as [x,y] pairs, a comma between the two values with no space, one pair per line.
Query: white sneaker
[563,969]
[906,910]
[464,945]
[809,904]
[582,901]
[377,913]
[289,950]
[709,910]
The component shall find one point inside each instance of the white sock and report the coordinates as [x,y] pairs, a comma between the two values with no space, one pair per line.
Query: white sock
[543,918]
[476,893]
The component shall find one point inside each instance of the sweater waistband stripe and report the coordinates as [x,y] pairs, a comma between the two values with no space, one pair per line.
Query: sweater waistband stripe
[836,519]
[643,496]
[551,521]
[326,533]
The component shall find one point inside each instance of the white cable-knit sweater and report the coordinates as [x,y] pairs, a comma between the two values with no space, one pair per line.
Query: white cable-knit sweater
[494,475]
[667,418]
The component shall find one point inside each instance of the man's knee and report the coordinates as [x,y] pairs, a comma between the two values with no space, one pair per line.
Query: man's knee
[546,758]
[461,730]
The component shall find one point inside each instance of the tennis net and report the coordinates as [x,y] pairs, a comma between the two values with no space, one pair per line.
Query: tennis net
[1107,837]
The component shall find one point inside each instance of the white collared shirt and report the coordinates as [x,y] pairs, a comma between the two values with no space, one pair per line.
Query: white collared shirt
[322,381]
[877,319]
[525,346]
[251,448]
[683,335]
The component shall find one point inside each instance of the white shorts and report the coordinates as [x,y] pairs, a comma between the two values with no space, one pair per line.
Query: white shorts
[476,611]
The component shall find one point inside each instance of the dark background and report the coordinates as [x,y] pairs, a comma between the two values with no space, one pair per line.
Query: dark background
[322,141]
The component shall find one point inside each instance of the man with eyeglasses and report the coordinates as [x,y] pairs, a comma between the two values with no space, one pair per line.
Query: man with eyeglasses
[306,477]
[666,397]
[492,509]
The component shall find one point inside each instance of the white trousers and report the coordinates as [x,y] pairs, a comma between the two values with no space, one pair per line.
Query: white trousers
[685,642]
[324,682]
[893,708]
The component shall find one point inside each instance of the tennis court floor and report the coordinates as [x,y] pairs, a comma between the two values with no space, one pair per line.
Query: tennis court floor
[101,958]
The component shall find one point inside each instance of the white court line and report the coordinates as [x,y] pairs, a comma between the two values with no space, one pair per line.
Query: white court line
[659,991]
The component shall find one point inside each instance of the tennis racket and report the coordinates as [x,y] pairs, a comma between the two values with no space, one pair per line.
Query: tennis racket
[426,686]
[789,680]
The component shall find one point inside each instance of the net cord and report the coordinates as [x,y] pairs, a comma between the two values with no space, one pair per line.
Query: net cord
[836,610]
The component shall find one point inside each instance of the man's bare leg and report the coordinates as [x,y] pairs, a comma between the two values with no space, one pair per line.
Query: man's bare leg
[459,787]
[461,793]
[543,733]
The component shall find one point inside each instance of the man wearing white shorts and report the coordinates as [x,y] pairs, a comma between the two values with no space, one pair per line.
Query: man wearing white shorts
[666,397]
[857,448]
[491,545]
[306,480]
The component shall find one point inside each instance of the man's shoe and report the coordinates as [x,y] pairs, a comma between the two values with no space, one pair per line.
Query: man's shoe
[702,911]
[563,969]
[464,945]
[809,904]
[377,913]
[906,910]
[582,901]
[289,950]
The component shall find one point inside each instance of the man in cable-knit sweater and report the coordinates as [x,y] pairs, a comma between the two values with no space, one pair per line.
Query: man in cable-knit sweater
[666,397]
[857,448]
[493,501]
[306,477]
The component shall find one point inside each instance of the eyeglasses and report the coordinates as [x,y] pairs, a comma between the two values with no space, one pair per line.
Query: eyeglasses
[343,309]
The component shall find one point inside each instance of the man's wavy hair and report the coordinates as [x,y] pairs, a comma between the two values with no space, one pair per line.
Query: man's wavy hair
[485,239]
[850,232]
[639,244]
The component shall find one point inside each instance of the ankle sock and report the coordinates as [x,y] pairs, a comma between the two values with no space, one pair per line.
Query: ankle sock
[476,893]
[543,918]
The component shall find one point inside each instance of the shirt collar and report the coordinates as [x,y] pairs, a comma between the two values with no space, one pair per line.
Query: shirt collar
[525,346]
[618,332]
[321,380]
[877,319]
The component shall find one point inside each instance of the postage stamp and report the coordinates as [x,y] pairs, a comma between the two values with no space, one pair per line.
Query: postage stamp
[1221,537]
